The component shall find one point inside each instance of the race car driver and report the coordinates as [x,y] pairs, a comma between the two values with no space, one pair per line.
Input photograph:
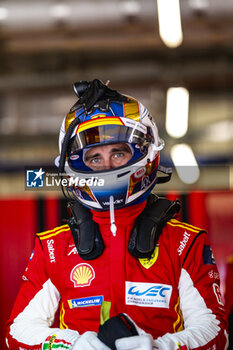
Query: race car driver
[124,273]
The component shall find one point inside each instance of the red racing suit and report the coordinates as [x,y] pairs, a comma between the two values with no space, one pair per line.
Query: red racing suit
[229,286]
[174,296]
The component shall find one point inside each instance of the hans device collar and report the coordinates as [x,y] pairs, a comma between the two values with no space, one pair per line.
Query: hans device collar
[149,224]
[85,232]
[144,236]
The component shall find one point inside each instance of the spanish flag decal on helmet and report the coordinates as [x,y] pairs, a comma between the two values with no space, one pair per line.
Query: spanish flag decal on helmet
[99,121]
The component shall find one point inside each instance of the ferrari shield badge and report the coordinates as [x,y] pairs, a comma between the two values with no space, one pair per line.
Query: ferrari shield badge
[148,262]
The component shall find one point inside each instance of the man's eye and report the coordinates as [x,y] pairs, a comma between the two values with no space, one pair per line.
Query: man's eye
[94,161]
[118,155]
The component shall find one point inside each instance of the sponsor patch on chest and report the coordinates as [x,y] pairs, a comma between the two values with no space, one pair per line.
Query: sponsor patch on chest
[147,294]
[82,275]
[83,302]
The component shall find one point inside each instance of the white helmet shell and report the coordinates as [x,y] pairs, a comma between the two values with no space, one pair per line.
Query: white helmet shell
[123,122]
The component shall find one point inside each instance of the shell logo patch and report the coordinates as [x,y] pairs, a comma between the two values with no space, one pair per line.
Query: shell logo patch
[82,275]
[147,263]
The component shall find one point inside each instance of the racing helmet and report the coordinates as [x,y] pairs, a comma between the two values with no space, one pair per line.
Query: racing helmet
[103,117]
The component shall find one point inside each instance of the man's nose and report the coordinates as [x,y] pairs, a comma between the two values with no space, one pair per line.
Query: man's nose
[108,164]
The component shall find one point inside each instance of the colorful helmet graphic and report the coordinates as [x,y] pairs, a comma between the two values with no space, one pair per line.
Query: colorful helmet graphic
[108,119]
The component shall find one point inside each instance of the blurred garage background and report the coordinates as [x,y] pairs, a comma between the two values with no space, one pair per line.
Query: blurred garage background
[47,45]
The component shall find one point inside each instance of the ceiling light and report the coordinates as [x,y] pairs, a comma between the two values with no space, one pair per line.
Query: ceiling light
[60,11]
[220,131]
[130,7]
[199,4]
[169,18]
[3,13]
[185,163]
[177,110]
[231,178]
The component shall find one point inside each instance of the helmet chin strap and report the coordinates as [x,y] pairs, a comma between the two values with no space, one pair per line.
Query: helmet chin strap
[112,216]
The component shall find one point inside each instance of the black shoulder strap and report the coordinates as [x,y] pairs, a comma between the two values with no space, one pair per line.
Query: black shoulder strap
[85,232]
[149,225]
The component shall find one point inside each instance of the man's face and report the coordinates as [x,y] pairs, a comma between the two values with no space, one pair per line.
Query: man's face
[108,156]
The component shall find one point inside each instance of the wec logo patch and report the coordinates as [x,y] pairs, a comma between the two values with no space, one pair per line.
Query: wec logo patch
[148,294]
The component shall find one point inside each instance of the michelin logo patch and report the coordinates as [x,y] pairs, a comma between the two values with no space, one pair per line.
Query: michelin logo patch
[82,302]
[148,294]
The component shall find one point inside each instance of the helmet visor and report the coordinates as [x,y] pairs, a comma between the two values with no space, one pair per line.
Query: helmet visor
[106,134]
